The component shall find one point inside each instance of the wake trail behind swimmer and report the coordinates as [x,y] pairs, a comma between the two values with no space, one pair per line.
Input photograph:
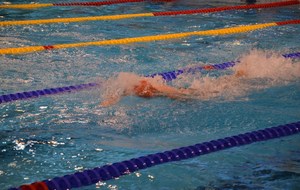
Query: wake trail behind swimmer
[256,70]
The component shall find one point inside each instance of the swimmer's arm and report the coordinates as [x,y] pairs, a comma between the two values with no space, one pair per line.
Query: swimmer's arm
[166,89]
[172,92]
[110,101]
[240,73]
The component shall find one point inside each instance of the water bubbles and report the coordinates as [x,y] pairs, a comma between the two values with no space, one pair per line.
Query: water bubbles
[150,177]
[43,107]
[99,149]
[112,187]
[100,184]
[78,168]
[19,145]
[12,164]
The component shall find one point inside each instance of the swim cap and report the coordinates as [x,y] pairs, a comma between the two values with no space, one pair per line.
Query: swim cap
[144,89]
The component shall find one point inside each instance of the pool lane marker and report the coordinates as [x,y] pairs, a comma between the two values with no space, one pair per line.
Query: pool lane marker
[46,92]
[116,170]
[167,76]
[97,3]
[124,41]
[165,13]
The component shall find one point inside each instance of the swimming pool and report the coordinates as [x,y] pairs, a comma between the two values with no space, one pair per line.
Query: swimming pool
[57,135]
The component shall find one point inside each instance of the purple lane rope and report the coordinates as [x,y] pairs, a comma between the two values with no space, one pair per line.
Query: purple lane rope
[45,92]
[115,170]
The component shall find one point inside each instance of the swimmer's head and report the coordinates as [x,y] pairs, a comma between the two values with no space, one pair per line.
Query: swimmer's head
[144,89]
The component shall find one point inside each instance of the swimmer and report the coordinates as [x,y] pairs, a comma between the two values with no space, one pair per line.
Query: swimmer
[149,88]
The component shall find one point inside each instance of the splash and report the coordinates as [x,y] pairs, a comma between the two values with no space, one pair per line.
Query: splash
[261,64]
[123,84]
[256,70]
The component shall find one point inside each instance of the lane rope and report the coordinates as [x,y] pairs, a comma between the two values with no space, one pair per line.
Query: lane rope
[123,41]
[165,13]
[115,170]
[97,3]
[227,8]
[168,76]
[45,92]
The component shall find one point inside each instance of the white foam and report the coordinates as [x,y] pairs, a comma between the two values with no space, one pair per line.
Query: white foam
[256,70]
[262,64]
[123,81]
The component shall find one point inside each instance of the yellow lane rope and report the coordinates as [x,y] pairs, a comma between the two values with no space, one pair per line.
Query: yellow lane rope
[26,6]
[76,19]
[224,31]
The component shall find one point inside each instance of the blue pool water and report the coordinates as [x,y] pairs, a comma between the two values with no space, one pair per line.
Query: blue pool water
[58,135]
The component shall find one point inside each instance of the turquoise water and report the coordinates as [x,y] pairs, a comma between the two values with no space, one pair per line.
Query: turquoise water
[58,135]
